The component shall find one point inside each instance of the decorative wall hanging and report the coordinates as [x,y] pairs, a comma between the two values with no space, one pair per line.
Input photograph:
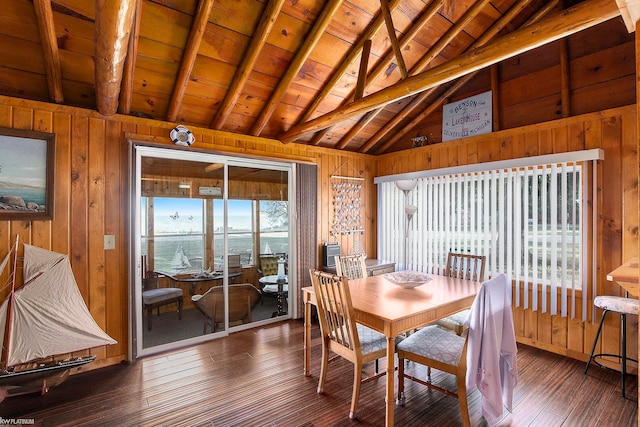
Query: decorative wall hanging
[346,205]
[467,117]
[181,135]
[347,208]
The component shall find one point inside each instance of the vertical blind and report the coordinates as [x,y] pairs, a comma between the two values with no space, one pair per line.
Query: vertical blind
[529,220]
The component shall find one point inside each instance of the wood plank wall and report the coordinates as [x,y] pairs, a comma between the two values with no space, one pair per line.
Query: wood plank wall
[535,87]
[92,197]
[615,132]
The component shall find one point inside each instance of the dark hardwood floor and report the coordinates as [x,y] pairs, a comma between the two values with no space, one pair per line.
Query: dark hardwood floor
[254,378]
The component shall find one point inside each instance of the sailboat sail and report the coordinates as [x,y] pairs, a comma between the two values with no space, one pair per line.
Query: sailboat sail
[3,307]
[49,314]
[3,321]
[180,260]
[4,263]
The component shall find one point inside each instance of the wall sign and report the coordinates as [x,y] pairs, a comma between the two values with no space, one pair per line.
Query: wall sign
[210,191]
[467,117]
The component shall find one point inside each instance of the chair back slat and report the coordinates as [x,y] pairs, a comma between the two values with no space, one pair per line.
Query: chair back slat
[465,266]
[351,266]
[335,310]
[150,281]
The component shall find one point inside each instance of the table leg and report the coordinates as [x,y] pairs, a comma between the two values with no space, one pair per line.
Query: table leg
[390,399]
[307,337]
[279,304]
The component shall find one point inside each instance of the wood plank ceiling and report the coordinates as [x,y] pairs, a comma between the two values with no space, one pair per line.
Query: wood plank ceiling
[349,74]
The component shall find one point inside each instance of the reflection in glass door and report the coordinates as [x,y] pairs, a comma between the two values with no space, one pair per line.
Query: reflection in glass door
[258,234]
[213,244]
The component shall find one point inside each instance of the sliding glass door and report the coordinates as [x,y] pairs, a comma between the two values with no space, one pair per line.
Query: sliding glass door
[211,246]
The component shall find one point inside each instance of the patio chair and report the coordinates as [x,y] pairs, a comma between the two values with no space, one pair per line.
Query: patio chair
[154,296]
[242,300]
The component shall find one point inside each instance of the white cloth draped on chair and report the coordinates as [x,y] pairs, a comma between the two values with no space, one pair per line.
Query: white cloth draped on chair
[492,351]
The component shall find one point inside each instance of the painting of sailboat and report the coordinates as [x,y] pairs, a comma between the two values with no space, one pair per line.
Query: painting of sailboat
[44,320]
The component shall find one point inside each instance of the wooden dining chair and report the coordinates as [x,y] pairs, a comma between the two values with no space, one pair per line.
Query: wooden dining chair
[351,266]
[447,352]
[462,266]
[341,334]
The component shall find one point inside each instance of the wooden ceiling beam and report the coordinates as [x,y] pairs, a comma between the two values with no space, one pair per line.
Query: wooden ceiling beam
[543,11]
[449,36]
[317,138]
[346,62]
[113,25]
[126,90]
[362,70]
[572,20]
[409,36]
[49,42]
[198,28]
[486,37]
[269,16]
[425,60]
[395,47]
[428,111]
[310,41]
[482,40]
[362,123]
[379,70]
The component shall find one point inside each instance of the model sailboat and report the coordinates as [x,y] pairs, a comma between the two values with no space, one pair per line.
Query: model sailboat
[43,319]
[180,260]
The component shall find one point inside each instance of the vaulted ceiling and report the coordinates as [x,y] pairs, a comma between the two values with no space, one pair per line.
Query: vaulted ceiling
[349,74]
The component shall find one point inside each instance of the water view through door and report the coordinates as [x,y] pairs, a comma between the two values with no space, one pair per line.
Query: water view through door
[214,246]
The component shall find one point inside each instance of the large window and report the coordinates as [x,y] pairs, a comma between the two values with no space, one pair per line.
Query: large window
[175,239]
[241,230]
[274,223]
[528,219]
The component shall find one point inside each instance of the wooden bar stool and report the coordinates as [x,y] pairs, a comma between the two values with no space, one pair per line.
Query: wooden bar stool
[623,306]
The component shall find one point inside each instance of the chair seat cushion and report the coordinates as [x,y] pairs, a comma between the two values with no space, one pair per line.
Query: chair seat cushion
[458,319]
[370,340]
[434,343]
[617,304]
[153,296]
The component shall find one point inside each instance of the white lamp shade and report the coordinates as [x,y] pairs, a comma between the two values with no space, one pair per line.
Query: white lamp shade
[406,184]
[410,210]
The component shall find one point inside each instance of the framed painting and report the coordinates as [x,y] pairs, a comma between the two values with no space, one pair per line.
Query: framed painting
[27,174]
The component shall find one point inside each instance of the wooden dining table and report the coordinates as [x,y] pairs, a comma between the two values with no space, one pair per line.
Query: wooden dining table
[391,309]
[193,279]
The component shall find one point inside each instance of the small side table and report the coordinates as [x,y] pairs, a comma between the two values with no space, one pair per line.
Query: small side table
[279,287]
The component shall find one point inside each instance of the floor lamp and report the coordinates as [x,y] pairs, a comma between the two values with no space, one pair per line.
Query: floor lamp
[406,186]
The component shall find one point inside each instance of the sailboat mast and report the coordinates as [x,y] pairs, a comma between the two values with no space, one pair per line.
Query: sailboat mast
[11,303]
